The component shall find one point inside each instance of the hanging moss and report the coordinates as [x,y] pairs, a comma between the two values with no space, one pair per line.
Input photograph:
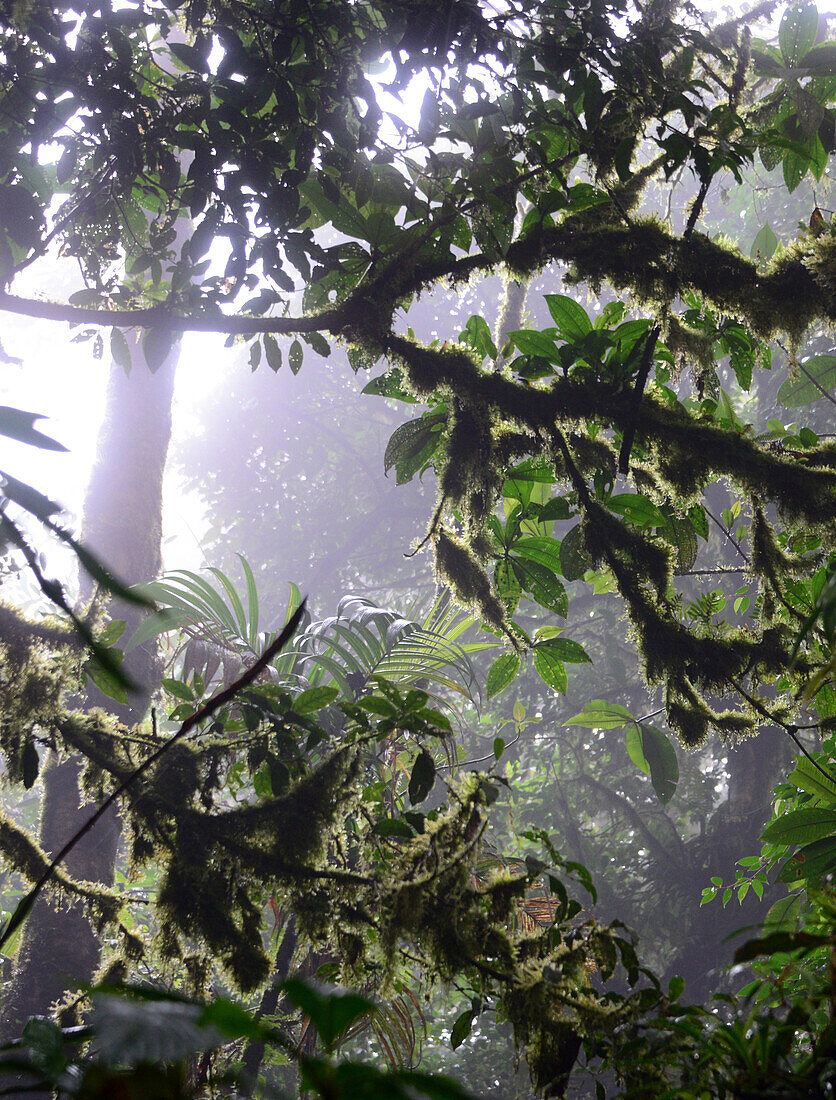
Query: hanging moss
[457,566]
[769,561]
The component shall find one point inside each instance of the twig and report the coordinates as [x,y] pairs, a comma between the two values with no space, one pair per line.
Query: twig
[790,730]
[476,759]
[206,711]
[819,387]
[729,536]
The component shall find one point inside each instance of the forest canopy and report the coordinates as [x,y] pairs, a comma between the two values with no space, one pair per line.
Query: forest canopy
[301,179]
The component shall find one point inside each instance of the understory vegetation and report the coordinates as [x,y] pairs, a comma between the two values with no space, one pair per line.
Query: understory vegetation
[510,773]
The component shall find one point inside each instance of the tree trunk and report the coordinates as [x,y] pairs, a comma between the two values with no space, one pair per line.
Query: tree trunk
[122,524]
[755,766]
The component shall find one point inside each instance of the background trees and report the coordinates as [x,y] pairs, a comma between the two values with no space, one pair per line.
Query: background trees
[618,436]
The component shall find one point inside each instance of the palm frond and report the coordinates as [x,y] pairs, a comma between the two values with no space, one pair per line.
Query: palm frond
[361,642]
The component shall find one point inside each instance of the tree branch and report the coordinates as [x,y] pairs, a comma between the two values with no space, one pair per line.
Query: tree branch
[206,711]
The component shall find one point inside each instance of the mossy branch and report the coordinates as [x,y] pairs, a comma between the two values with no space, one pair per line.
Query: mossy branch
[217,701]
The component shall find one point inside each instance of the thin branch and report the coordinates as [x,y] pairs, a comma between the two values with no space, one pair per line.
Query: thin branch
[820,388]
[206,711]
[790,730]
[476,759]
[729,536]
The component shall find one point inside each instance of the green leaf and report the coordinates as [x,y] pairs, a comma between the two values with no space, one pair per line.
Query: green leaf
[390,384]
[393,827]
[539,548]
[314,699]
[778,942]
[178,689]
[30,764]
[423,777]
[502,673]
[189,56]
[272,352]
[232,1020]
[599,714]
[812,862]
[101,574]
[161,622]
[157,346]
[17,424]
[545,588]
[556,508]
[652,752]
[681,533]
[461,1028]
[131,1030]
[699,520]
[816,379]
[676,987]
[412,445]
[43,1040]
[319,344]
[294,356]
[430,116]
[764,244]
[808,778]
[331,1011]
[478,335]
[535,343]
[120,352]
[801,826]
[570,317]
[566,650]
[637,509]
[550,668]
[574,557]
[108,680]
[797,32]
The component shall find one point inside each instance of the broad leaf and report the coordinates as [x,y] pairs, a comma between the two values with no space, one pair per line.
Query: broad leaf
[502,673]
[801,826]
[569,316]
[575,559]
[412,445]
[599,714]
[816,379]
[808,778]
[637,509]
[539,548]
[812,862]
[535,343]
[797,32]
[545,588]
[764,243]
[314,699]
[549,667]
[331,1011]
[422,778]
[652,752]
[566,650]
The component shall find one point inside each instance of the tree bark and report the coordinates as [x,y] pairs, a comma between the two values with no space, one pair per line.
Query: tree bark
[122,524]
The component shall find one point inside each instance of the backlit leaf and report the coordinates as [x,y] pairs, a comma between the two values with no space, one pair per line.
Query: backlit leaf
[502,673]
[570,317]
